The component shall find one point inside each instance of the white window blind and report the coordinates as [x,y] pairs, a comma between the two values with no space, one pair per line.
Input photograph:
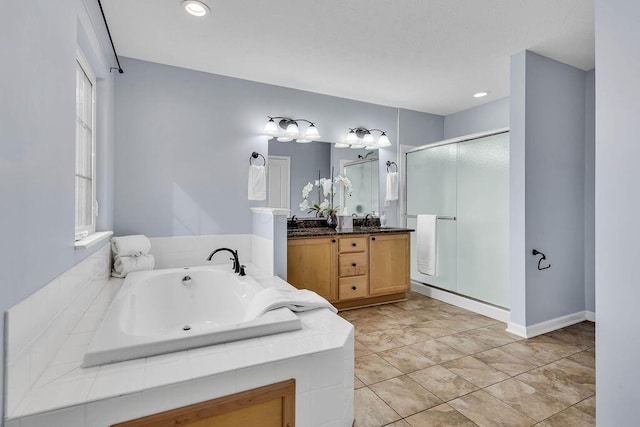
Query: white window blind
[85,149]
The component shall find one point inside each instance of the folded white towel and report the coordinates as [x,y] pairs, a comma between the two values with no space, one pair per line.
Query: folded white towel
[427,243]
[124,265]
[392,186]
[130,245]
[257,183]
[293,299]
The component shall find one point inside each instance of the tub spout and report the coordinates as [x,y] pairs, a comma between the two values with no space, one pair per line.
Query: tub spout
[236,260]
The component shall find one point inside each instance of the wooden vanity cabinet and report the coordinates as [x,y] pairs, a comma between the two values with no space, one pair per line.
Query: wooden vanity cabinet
[311,264]
[389,264]
[351,270]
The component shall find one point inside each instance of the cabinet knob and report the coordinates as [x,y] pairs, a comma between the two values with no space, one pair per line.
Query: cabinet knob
[353,264]
[354,244]
[333,240]
[373,238]
[354,288]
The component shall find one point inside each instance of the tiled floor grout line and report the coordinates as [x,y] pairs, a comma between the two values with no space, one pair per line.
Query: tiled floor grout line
[391,317]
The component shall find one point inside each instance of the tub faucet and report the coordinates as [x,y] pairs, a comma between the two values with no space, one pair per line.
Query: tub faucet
[236,261]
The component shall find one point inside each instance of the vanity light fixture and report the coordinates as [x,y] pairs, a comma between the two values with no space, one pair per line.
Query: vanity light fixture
[196,7]
[362,138]
[287,130]
[481,94]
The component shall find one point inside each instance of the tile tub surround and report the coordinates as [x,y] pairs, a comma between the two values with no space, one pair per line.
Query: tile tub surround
[38,326]
[191,251]
[423,362]
[320,358]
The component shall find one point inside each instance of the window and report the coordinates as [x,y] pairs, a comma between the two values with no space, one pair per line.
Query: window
[86,205]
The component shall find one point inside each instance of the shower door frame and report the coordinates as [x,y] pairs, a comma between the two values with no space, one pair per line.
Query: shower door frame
[405,215]
[449,141]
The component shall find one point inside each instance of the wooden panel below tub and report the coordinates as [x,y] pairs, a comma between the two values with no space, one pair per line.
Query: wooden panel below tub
[370,301]
[269,406]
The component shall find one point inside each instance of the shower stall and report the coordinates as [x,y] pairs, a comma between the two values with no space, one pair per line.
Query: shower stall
[465,182]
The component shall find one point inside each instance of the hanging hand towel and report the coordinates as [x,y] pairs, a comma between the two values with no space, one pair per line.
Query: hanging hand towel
[427,244]
[392,186]
[130,245]
[257,183]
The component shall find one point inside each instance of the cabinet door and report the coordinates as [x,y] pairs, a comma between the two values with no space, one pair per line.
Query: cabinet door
[311,264]
[388,264]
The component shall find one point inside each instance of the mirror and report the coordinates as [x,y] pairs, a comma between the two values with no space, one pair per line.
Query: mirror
[364,177]
[293,165]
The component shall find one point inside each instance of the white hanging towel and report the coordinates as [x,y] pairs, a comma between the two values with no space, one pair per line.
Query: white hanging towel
[392,186]
[293,299]
[257,183]
[427,244]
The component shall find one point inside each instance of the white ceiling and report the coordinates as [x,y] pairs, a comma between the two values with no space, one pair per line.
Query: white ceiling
[424,55]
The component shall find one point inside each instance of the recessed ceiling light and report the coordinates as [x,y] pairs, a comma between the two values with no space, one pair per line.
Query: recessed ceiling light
[195,7]
[480,94]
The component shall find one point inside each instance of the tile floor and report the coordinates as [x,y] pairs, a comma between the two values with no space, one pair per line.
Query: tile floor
[423,362]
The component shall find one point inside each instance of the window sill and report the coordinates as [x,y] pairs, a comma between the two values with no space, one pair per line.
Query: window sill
[92,239]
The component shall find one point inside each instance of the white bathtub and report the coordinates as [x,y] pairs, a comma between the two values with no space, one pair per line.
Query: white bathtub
[158,312]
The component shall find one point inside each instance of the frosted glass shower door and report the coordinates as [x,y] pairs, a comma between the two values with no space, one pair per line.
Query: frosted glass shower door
[431,189]
[483,219]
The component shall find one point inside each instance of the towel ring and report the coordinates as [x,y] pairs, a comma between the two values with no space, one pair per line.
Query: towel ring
[255,155]
[389,165]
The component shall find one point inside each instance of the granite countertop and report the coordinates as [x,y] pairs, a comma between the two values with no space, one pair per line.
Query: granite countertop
[326,231]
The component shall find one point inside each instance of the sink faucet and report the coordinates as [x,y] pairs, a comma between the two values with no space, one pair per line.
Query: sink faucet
[237,268]
[367,217]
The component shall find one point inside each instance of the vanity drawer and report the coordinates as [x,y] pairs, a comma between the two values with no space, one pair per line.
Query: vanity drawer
[352,244]
[352,287]
[352,264]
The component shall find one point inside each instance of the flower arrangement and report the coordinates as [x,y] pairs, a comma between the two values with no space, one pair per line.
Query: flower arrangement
[326,189]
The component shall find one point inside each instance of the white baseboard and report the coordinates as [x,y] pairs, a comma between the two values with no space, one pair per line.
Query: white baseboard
[488,310]
[550,325]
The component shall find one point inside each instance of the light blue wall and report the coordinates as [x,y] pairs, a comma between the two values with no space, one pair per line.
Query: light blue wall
[183,139]
[517,178]
[617,204]
[589,191]
[306,161]
[485,117]
[38,42]
[548,123]
[420,128]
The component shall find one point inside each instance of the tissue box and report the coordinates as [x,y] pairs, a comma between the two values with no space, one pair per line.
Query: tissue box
[345,221]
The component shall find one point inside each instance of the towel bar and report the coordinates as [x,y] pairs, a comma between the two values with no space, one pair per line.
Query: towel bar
[255,155]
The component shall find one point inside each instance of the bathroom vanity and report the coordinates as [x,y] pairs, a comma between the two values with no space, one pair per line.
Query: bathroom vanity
[353,267]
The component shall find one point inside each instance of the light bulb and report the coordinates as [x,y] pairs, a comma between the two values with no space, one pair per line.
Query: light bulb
[303,141]
[284,139]
[292,130]
[341,145]
[195,8]
[271,128]
[312,133]
[383,141]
